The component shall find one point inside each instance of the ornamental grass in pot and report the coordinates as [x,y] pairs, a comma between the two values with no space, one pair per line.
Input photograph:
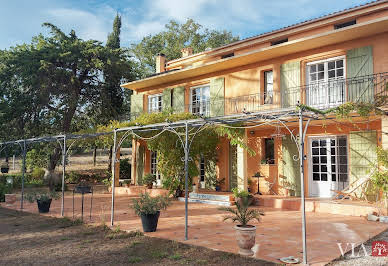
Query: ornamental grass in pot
[148,209]
[43,199]
[245,233]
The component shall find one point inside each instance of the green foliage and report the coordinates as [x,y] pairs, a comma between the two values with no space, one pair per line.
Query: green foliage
[125,169]
[175,37]
[37,174]
[242,214]
[149,179]
[146,204]
[237,193]
[37,158]
[380,177]
[73,177]
[41,196]
[4,189]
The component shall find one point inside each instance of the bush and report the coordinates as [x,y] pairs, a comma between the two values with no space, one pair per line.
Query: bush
[4,189]
[41,195]
[149,179]
[150,205]
[125,169]
[37,174]
[73,177]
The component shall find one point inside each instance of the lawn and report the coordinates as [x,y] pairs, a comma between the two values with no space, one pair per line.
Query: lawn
[27,238]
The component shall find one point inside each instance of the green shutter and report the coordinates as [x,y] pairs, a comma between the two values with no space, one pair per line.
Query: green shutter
[291,168]
[217,92]
[137,101]
[363,146]
[140,165]
[290,83]
[359,62]
[178,99]
[166,99]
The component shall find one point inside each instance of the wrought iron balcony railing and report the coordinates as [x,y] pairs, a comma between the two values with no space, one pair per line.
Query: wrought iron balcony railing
[320,95]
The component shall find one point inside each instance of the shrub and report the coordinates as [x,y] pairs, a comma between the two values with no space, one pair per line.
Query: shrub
[41,196]
[37,173]
[125,169]
[150,205]
[4,189]
[240,193]
[74,177]
[149,179]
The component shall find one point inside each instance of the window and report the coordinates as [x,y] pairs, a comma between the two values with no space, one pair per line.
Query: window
[202,169]
[279,41]
[155,103]
[326,83]
[345,24]
[200,100]
[268,87]
[269,151]
[154,164]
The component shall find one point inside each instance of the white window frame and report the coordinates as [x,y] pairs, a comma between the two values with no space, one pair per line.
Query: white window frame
[154,166]
[268,95]
[203,110]
[326,80]
[151,109]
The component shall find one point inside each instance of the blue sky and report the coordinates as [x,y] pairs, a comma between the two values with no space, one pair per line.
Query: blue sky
[92,19]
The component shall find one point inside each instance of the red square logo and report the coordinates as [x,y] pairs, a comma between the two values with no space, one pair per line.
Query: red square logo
[379,248]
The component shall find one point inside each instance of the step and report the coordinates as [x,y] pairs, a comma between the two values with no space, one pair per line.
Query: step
[206,201]
[211,197]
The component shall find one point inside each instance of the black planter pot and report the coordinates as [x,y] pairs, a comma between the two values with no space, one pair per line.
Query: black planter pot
[218,188]
[4,170]
[150,221]
[44,206]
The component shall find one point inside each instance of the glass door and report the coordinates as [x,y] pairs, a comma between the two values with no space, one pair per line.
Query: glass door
[328,165]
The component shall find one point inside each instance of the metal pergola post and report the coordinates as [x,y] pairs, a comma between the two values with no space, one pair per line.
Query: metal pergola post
[23,172]
[301,160]
[186,149]
[113,177]
[64,152]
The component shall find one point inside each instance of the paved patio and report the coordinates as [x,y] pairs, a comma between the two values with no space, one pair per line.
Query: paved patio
[278,235]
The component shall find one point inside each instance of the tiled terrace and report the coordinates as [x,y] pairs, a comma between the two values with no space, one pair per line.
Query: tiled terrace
[278,235]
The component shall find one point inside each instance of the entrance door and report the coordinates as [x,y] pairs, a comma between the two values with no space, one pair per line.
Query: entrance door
[328,165]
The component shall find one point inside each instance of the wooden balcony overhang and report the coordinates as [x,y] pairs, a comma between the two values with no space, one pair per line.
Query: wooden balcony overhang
[207,70]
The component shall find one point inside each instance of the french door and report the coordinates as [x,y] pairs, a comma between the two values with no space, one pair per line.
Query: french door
[326,83]
[328,165]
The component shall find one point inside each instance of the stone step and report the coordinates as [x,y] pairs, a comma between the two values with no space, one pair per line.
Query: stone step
[211,197]
[206,201]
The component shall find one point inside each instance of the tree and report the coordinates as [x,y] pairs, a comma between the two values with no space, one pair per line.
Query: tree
[174,38]
[53,85]
[117,69]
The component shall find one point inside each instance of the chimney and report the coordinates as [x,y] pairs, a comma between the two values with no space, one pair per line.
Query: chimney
[187,51]
[160,63]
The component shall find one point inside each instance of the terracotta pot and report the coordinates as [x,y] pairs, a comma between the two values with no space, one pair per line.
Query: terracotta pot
[245,239]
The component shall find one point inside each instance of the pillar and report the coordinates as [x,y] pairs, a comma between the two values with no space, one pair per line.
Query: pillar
[242,177]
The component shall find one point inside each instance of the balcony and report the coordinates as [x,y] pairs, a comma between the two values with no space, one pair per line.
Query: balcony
[322,95]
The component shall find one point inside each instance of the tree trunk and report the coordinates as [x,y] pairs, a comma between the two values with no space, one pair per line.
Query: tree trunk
[53,160]
[94,155]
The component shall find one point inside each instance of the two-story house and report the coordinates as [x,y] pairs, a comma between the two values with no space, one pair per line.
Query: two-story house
[323,63]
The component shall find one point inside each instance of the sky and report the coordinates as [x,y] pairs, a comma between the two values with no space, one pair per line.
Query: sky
[20,20]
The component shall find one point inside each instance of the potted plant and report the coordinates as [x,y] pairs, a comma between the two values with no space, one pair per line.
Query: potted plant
[126,182]
[43,199]
[219,184]
[242,194]
[249,184]
[289,188]
[148,209]
[4,167]
[149,180]
[245,233]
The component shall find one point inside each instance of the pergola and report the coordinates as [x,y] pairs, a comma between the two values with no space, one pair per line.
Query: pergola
[188,131]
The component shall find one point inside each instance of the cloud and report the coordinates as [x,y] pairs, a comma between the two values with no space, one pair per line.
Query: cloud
[22,19]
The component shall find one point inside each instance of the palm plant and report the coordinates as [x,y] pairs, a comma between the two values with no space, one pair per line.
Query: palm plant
[242,213]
